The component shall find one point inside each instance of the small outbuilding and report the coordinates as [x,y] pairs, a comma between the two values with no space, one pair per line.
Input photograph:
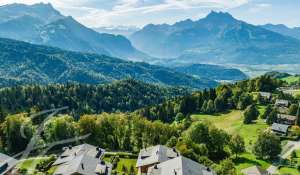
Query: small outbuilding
[282,103]
[266,95]
[286,119]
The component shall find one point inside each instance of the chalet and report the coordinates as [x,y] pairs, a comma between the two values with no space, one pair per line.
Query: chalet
[286,119]
[84,159]
[282,103]
[254,170]
[180,166]
[280,129]
[283,110]
[266,95]
[151,156]
[7,164]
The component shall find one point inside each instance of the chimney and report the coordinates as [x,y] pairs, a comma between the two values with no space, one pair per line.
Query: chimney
[82,166]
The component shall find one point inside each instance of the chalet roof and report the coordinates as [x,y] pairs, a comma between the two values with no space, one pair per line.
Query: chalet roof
[83,159]
[155,154]
[266,94]
[279,127]
[6,163]
[287,117]
[71,152]
[282,102]
[181,166]
[254,170]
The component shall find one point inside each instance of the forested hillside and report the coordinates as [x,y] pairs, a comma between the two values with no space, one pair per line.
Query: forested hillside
[126,95]
[220,99]
[24,63]
[214,72]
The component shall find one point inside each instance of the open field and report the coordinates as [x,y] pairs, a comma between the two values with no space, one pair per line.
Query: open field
[291,79]
[232,122]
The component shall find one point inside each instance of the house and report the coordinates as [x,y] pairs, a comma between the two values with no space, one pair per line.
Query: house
[282,103]
[151,156]
[266,95]
[83,159]
[180,166]
[7,164]
[286,119]
[254,170]
[280,129]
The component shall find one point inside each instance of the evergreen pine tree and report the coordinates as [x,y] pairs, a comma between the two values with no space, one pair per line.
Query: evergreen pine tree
[298,116]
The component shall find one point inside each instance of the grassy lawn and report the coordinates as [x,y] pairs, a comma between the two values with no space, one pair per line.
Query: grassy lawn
[30,164]
[291,171]
[247,160]
[127,163]
[124,161]
[291,79]
[232,122]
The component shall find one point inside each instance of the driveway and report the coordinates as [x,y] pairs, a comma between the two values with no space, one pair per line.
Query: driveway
[289,148]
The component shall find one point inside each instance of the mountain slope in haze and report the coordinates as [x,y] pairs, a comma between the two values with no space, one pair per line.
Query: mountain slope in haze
[24,63]
[117,30]
[284,30]
[42,24]
[213,72]
[217,38]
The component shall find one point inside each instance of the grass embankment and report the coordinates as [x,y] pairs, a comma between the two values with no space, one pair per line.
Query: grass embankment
[291,170]
[126,160]
[232,122]
[31,163]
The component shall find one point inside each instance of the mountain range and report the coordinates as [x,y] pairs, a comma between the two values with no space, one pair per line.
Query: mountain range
[42,24]
[284,30]
[25,63]
[217,38]
[117,30]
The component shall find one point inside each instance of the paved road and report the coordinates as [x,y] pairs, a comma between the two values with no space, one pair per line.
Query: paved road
[289,148]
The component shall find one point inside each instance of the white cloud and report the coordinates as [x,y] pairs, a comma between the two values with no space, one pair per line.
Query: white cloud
[108,12]
[259,7]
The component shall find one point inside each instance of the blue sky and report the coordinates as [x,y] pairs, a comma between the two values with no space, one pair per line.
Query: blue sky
[96,13]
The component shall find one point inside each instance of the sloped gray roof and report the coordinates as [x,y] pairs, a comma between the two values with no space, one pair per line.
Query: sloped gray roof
[155,154]
[266,94]
[254,170]
[282,102]
[70,153]
[81,159]
[288,117]
[280,127]
[84,164]
[182,166]
[10,161]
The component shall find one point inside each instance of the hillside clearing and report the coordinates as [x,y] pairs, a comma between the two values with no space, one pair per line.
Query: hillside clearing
[232,122]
